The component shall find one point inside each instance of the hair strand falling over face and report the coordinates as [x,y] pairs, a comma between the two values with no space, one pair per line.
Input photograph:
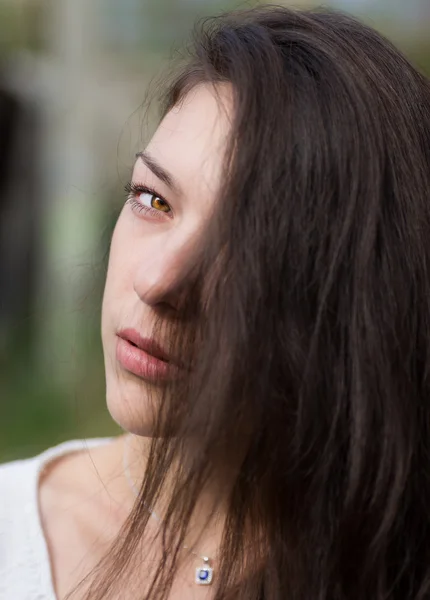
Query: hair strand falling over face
[306,321]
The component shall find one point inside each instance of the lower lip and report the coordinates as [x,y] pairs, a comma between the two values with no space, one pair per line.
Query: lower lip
[142,364]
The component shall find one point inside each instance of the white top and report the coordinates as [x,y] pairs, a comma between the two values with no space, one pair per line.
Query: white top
[25,571]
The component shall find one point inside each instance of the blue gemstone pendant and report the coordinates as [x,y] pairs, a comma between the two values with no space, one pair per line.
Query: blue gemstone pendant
[204,574]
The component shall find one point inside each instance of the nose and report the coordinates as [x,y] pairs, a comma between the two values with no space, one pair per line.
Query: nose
[163,272]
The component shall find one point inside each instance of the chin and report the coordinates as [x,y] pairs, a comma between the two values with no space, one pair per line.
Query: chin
[129,405]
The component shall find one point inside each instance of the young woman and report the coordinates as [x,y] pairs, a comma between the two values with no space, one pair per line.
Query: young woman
[266,332]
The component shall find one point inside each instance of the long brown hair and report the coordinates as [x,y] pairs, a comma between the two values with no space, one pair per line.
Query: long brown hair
[309,325]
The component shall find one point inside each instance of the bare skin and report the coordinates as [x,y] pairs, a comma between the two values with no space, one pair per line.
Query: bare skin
[85,498]
[83,504]
[83,507]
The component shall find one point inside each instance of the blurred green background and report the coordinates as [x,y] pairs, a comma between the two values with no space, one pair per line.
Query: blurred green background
[74,74]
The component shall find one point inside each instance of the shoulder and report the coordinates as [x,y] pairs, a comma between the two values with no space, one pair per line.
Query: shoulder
[19,478]
[19,481]
[24,557]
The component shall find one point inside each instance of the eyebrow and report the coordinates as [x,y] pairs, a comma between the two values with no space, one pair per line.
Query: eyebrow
[159,171]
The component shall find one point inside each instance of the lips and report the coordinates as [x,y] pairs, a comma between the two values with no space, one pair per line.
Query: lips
[144,358]
[146,344]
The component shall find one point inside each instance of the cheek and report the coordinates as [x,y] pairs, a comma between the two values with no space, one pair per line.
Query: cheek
[116,276]
[120,253]
[127,253]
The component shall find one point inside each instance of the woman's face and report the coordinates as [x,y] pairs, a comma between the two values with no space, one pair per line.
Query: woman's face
[173,188]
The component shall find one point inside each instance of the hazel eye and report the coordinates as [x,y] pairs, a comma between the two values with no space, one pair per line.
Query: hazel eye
[145,200]
[153,201]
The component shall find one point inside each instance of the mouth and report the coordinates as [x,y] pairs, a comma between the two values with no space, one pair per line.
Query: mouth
[144,358]
[147,345]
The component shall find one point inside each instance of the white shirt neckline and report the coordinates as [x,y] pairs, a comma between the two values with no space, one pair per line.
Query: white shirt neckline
[33,513]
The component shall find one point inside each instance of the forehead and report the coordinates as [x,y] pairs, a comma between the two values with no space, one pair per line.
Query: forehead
[190,141]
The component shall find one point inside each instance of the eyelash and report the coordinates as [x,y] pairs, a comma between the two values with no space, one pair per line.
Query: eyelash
[134,189]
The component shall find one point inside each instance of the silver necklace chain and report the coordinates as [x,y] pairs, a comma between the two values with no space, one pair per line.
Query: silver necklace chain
[203,574]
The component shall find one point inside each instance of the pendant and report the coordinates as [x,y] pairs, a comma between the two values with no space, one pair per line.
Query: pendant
[204,574]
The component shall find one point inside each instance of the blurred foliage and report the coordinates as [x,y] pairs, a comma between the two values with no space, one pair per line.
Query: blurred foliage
[418,52]
[35,413]
[11,27]
[21,26]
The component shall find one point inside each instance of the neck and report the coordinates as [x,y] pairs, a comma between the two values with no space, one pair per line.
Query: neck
[206,524]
